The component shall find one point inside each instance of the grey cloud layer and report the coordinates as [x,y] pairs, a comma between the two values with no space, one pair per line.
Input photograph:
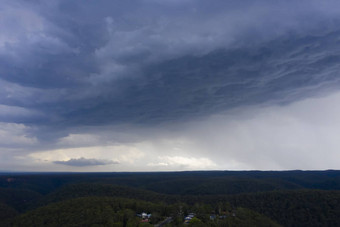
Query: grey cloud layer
[282,71]
[64,64]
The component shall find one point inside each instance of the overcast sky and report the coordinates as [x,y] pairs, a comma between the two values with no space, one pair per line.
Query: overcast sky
[163,85]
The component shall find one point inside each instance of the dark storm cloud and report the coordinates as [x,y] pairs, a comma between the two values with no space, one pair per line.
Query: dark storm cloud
[282,71]
[67,63]
[85,162]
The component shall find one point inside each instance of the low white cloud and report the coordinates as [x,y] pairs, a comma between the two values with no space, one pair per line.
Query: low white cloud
[128,156]
[80,162]
[183,163]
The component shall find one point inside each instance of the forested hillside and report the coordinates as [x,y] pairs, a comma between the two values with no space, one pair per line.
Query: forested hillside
[250,198]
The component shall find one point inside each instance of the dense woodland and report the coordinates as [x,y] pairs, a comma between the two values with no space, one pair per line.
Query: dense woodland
[216,198]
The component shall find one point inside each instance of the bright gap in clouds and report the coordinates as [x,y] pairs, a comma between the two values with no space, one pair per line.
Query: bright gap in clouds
[301,135]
